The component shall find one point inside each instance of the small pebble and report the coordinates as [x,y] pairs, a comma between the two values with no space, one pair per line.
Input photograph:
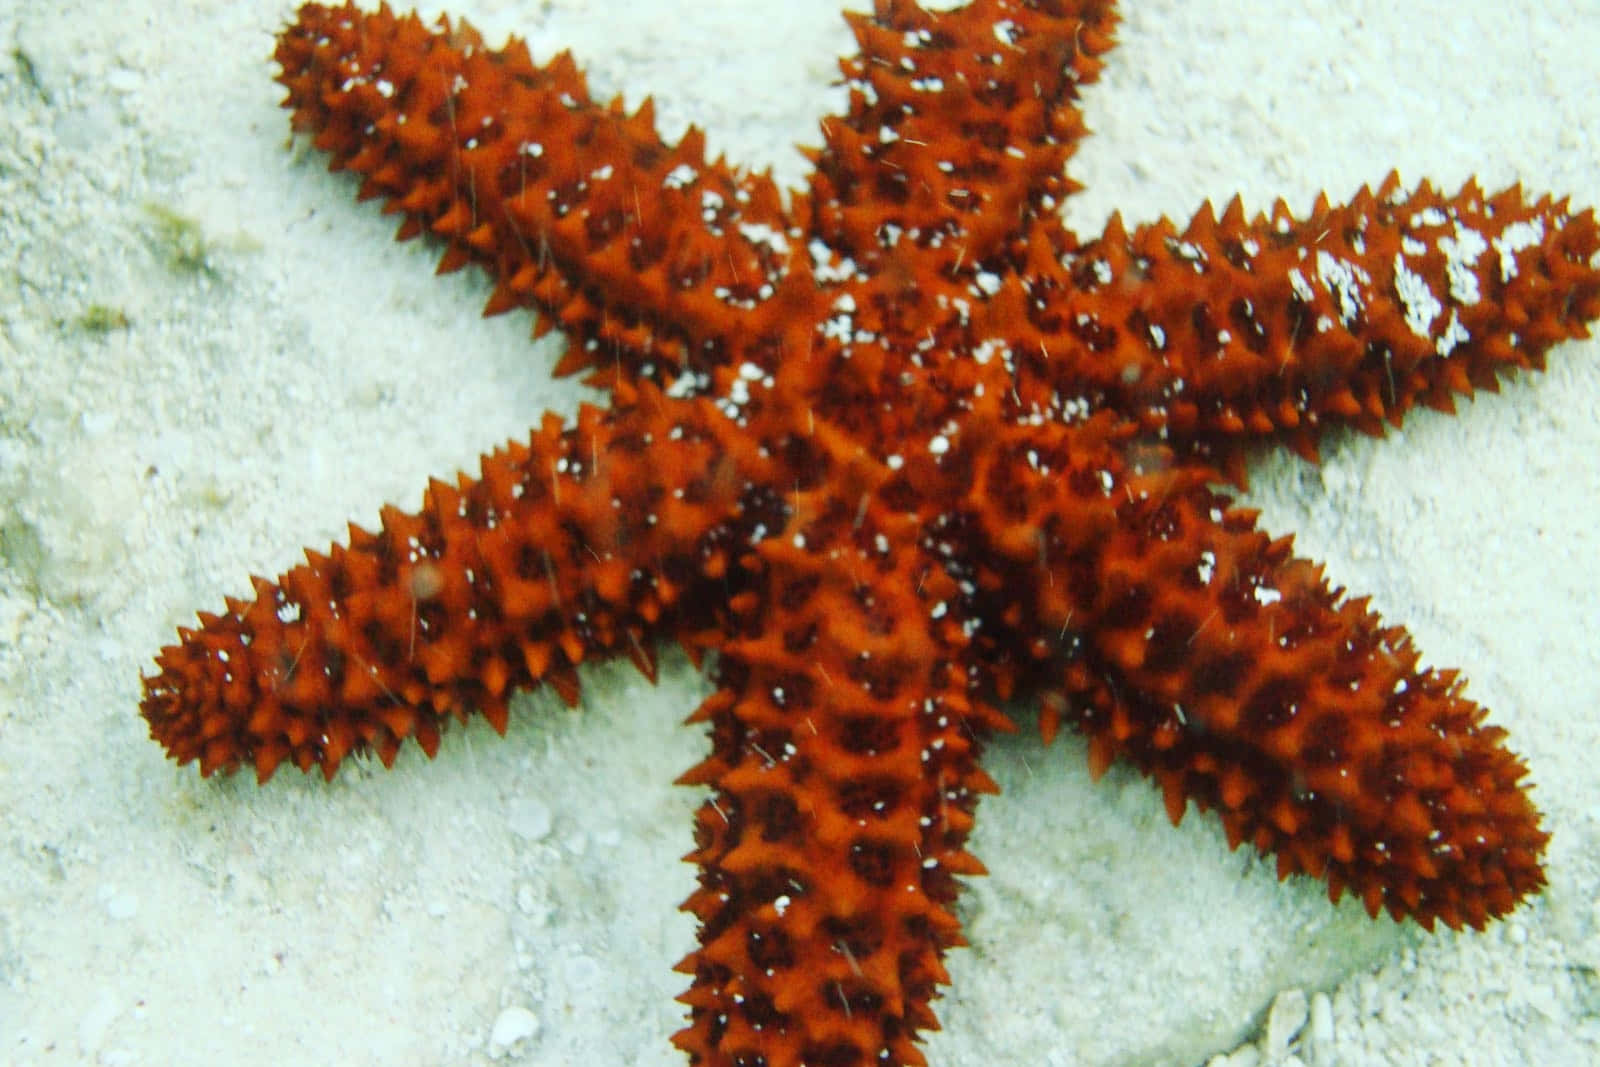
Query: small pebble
[96,423]
[1244,1056]
[123,80]
[1285,1020]
[1320,1039]
[95,1023]
[530,819]
[512,1025]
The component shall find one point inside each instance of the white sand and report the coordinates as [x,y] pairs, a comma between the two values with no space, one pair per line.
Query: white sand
[284,367]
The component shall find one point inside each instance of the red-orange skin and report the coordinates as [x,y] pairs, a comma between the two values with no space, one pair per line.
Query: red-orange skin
[899,450]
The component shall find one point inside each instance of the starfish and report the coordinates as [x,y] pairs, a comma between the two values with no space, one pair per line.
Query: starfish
[893,454]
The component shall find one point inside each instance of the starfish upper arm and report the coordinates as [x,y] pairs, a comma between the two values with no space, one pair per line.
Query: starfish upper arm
[564,549]
[958,131]
[645,254]
[1277,327]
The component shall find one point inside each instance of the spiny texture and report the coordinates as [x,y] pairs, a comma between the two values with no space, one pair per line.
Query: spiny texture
[900,449]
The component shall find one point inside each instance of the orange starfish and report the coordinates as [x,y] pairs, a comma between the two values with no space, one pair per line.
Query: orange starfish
[896,451]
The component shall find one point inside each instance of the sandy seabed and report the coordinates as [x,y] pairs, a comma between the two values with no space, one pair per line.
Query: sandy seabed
[211,355]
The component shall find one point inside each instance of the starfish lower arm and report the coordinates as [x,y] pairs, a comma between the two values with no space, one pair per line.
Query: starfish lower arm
[1184,639]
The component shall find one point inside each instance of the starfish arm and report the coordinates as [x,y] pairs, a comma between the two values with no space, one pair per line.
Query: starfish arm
[564,549]
[644,253]
[958,131]
[845,732]
[1184,639]
[1279,327]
